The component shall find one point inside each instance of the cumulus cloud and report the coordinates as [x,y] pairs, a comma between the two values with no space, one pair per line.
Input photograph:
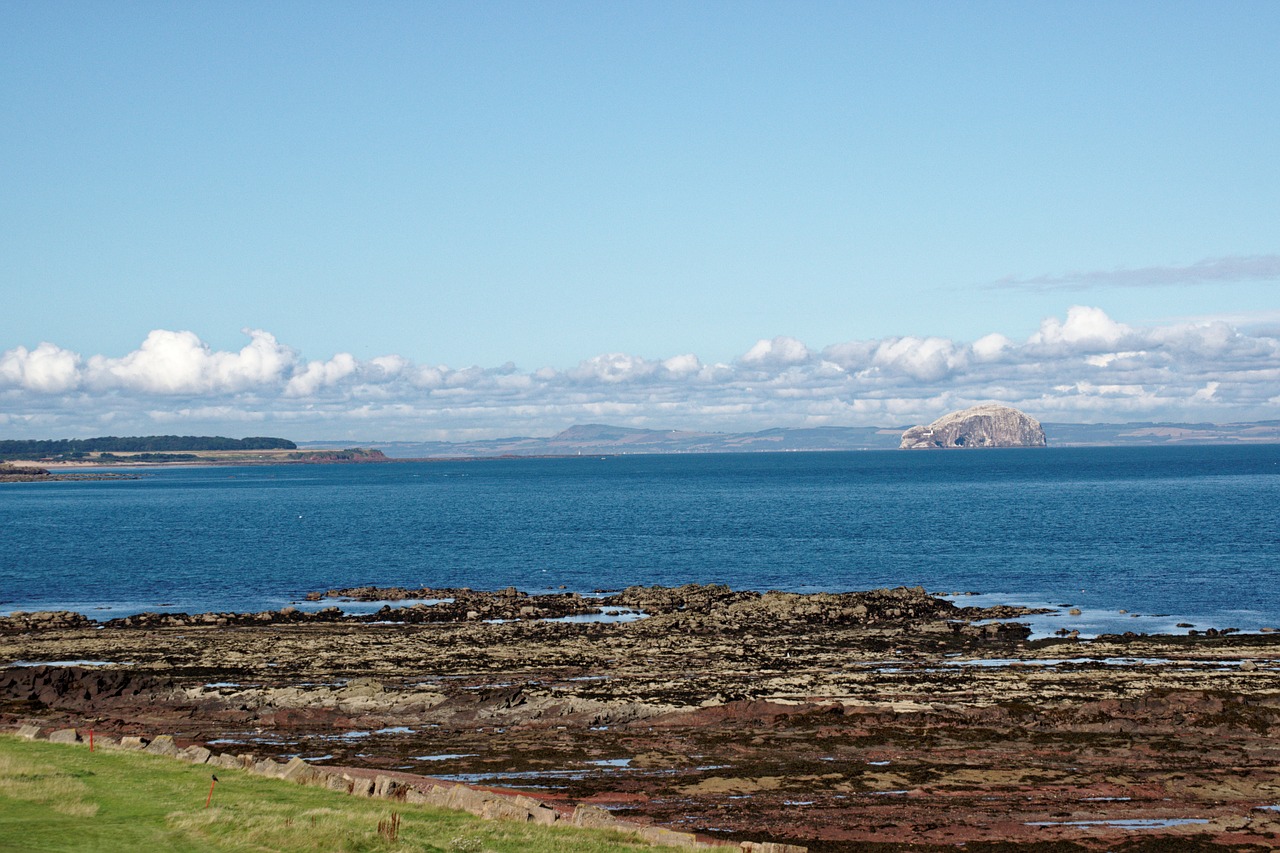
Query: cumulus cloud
[320,374]
[1085,329]
[777,352]
[47,369]
[613,368]
[180,363]
[1083,366]
[919,358]
[991,347]
[682,365]
[1208,271]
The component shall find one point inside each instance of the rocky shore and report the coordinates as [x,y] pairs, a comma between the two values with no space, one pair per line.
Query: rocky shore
[879,720]
[33,474]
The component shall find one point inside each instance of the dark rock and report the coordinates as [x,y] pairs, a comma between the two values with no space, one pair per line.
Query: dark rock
[75,687]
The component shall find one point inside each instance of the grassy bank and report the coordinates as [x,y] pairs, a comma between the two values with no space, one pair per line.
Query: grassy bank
[58,797]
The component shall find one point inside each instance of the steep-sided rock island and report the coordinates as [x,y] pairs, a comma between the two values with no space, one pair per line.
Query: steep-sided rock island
[988,425]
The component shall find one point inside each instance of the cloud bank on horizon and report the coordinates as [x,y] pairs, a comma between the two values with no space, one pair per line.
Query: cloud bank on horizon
[1083,367]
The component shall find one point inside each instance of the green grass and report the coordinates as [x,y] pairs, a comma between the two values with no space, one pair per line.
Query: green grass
[62,797]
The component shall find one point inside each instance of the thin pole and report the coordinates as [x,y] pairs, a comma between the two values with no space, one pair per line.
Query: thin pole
[209,799]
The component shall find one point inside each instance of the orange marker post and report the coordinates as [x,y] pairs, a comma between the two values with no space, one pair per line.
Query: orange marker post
[91,740]
[209,799]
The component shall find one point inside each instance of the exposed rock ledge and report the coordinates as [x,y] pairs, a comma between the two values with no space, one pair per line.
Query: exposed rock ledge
[881,720]
[987,425]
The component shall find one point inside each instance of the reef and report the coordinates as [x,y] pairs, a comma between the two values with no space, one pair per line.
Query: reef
[881,720]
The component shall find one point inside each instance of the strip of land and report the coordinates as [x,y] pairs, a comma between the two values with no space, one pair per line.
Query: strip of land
[31,470]
[63,797]
[882,720]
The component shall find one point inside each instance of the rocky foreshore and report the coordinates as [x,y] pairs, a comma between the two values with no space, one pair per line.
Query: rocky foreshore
[34,474]
[888,719]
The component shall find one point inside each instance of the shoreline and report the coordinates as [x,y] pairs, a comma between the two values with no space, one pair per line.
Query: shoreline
[202,459]
[1045,619]
[831,721]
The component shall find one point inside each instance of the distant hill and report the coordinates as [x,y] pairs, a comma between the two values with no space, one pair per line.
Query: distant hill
[1111,435]
[604,439]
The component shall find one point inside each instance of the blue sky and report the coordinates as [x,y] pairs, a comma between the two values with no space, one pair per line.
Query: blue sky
[560,196]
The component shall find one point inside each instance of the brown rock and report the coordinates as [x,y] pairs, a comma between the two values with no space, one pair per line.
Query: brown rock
[195,754]
[297,770]
[162,745]
[594,816]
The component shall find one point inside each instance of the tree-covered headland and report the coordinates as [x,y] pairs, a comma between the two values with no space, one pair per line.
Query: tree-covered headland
[76,448]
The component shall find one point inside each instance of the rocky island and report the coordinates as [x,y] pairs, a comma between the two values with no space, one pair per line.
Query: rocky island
[988,425]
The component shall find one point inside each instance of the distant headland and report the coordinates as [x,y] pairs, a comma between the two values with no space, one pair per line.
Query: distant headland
[32,459]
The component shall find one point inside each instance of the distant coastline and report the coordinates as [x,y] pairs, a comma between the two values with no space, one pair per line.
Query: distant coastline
[604,439]
[27,470]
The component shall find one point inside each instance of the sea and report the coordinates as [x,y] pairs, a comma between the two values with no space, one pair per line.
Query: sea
[1143,539]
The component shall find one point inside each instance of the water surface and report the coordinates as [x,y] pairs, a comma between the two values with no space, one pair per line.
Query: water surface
[1184,533]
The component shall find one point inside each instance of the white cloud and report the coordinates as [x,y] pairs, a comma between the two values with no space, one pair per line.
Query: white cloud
[180,363]
[919,358]
[779,351]
[612,368]
[852,355]
[991,347]
[47,369]
[682,365]
[389,366]
[231,414]
[428,377]
[1083,366]
[322,374]
[1110,358]
[1086,330]
[1206,393]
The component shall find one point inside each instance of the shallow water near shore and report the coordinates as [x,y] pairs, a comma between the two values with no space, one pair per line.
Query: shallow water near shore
[1175,535]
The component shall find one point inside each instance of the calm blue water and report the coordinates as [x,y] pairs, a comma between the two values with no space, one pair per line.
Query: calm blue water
[1188,532]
